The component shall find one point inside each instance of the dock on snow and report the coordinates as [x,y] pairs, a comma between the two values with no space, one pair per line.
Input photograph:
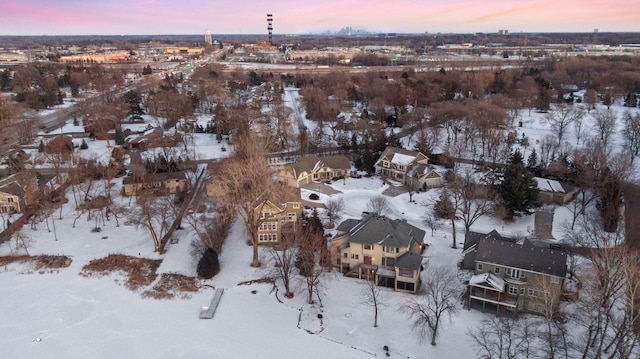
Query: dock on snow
[207,312]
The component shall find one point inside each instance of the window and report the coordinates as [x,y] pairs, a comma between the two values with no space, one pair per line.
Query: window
[345,255]
[385,163]
[405,286]
[391,249]
[405,273]
[388,261]
[479,266]
[291,216]
[532,292]
[513,289]
[10,199]
[354,256]
[515,273]
[266,237]
[496,270]
[268,226]
[368,247]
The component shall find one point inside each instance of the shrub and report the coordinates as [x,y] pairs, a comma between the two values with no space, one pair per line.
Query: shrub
[208,266]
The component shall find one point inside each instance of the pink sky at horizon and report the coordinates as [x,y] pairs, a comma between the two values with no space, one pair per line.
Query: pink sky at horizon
[146,17]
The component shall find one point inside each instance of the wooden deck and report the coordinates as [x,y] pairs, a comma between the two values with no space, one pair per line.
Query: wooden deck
[207,312]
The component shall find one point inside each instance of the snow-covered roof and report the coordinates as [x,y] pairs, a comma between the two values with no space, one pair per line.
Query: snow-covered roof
[489,278]
[549,185]
[401,159]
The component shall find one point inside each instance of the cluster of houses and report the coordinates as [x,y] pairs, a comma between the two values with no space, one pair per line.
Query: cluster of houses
[507,274]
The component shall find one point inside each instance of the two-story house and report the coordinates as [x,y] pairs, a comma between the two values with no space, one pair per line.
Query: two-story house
[513,275]
[273,221]
[381,249]
[19,191]
[314,169]
[405,165]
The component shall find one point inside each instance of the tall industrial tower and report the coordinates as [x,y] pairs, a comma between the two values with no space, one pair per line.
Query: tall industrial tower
[270,27]
[207,37]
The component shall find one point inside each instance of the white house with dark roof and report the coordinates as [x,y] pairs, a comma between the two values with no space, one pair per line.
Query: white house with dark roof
[381,249]
[513,275]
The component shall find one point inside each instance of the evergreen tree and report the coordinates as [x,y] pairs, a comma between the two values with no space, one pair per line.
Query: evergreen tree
[133,99]
[532,161]
[5,80]
[119,137]
[519,190]
[314,224]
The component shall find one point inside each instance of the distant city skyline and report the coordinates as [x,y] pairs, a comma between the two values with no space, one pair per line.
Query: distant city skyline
[148,17]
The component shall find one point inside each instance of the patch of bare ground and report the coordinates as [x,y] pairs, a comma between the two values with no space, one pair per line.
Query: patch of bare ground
[41,263]
[171,285]
[140,272]
[260,280]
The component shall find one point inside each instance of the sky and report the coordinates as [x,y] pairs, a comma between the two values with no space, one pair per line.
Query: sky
[148,17]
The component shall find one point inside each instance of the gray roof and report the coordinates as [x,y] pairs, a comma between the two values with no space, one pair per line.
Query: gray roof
[381,230]
[410,261]
[347,225]
[471,238]
[523,256]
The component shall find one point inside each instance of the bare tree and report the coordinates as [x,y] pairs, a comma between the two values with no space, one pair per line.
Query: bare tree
[441,294]
[606,310]
[244,182]
[578,129]
[470,199]
[379,205]
[284,255]
[21,241]
[312,253]
[431,221]
[334,206]
[631,132]
[155,215]
[211,229]
[561,117]
[503,338]
[373,297]
[548,295]
[445,207]
[605,124]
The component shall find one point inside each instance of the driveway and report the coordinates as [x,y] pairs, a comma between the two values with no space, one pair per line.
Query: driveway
[321,187]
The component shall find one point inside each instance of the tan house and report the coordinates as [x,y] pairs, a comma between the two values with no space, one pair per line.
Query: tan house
[552,191]
[19,191]
[314,169]
[397,163]
[273,221]
[425,176]
[381,249]
[516,276]
[12,198]
[155,183]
